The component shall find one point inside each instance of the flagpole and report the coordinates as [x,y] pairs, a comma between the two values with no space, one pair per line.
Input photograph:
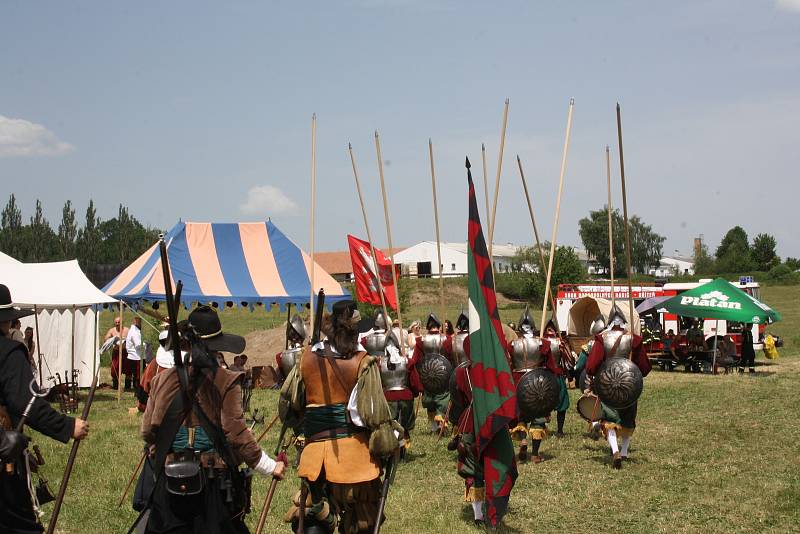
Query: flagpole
[438,240]
[610,230]
[313,213]
[497,181]
[558,211]
[625,214]
[389,237]
[369,235]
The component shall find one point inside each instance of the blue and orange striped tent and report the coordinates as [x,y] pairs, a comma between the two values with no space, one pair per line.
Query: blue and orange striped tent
[238,264]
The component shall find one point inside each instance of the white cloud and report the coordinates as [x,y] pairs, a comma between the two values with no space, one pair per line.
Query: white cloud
[266,200]
[19,137]
[788,5]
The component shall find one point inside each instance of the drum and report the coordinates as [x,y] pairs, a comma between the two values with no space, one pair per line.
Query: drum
[589,407]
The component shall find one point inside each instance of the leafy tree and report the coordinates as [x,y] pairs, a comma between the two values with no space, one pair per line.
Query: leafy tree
[735,260]
[10,226]
[793,263]
[763,252]
[89,240]
[735,239]
[646,245]
[528,280]
[703,262]
[124,238]
[41,241]
[67,232]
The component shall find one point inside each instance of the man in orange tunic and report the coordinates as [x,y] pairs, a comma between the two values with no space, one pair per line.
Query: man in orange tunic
[347,424]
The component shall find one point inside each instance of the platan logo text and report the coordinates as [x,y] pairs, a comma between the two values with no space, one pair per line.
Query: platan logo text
[714,299]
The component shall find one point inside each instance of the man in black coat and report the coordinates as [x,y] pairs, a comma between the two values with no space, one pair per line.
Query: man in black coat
[748,353]
[16,507]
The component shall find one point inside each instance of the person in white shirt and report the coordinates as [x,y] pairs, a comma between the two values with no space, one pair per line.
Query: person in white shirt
[132,367]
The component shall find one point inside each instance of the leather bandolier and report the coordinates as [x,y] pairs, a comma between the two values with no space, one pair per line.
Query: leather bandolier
[617,343]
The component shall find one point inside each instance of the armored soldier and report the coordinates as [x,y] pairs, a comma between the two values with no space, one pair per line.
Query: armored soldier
[460,337]
[347,433]
[17,501]
[530,352]
[598,325]
[563,358]
[199,438]
[434,342]
[617,341]
[295,338]
[396,374]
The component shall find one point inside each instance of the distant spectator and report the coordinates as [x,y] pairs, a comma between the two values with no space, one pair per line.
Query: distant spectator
[15,332]
[238,363]
[119,347]
[30,343]
[448,328]
[748,352]
[131,365]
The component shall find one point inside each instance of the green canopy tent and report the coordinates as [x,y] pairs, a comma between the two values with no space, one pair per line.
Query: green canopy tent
[720,299]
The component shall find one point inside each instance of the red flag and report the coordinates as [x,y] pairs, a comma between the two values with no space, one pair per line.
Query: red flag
[366,275]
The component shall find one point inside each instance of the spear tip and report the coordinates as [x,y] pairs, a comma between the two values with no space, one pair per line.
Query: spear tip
[469,166]
[507,101]
[350,146]
[571,101]
[483,147]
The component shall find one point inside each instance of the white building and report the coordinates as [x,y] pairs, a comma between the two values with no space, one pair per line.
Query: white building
[420,259]
[673,265]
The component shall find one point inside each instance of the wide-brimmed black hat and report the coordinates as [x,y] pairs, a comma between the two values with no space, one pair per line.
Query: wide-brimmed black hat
[207,326]
[7,311]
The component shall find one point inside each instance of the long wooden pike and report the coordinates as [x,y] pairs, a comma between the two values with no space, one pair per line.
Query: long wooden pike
[262,519]
[133,477]
[610,230]
[389,237]
[269,426]
[73,453]
[497,179]
[369,237]
[438,240]
[558,211]
[625,215]
[313,212]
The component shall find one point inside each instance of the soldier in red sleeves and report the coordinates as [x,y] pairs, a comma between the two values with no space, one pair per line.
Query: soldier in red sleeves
[434,342]
[620,342]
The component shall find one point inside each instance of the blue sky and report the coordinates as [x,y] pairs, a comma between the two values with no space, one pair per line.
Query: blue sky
[202,110]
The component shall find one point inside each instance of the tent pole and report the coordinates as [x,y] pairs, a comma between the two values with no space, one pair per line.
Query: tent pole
[38,343]
[96,341]
[313,209]
[714,356]
[119,353]
[72,357]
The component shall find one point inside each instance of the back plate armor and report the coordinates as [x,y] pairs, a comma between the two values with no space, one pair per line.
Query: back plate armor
[375,343]
[610,338]
[432,343]
[526,353]
[458,346]
[289,359]
[394,377]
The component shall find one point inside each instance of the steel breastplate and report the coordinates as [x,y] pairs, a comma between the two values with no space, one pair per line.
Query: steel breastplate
[394,377]
[458,346]
[526,353]
[375,343]
[432,344]
[289,359]
[623,348]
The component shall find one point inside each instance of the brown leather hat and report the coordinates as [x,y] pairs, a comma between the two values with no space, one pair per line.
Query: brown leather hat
[206,324]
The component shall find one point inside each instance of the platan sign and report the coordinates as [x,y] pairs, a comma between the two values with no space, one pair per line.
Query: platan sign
[714,299]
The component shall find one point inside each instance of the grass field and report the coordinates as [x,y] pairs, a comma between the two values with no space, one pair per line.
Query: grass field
[712,453]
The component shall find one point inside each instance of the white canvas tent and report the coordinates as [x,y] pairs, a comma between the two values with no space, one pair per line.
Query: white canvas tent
[64,300]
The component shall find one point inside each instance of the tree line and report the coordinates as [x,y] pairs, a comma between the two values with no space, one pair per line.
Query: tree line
[737,254]
[115,241]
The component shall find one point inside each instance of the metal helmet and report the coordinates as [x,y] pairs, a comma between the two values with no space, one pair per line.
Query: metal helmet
[618,382]
[616,317]
[525,323]
[432,322]
[551,324]
[462,323]
[598,325]
[297,327]
[381,322]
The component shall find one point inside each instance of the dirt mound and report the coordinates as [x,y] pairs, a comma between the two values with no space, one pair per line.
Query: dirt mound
[263,345]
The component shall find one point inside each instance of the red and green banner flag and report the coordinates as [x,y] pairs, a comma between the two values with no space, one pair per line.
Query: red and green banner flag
[493,392]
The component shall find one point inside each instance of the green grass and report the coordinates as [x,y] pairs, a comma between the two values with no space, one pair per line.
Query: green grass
[712,453]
